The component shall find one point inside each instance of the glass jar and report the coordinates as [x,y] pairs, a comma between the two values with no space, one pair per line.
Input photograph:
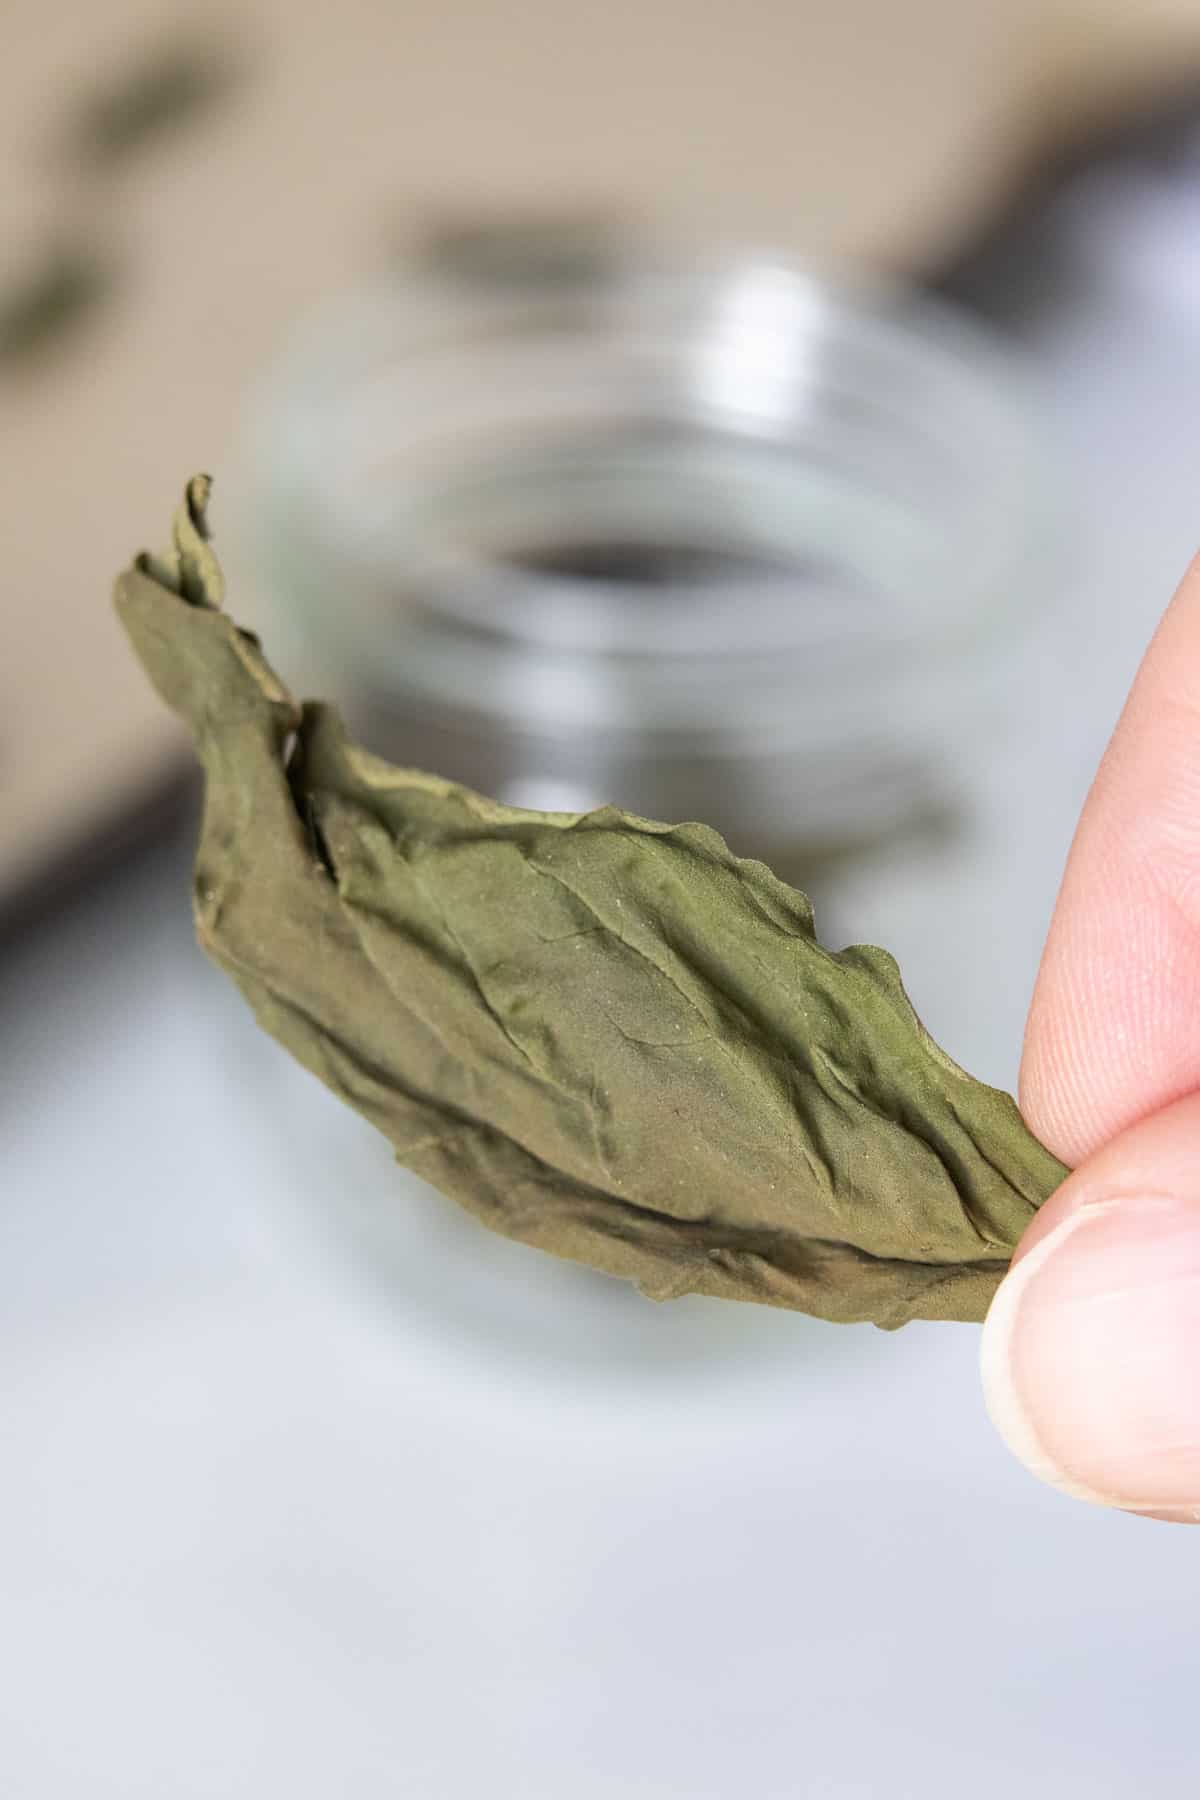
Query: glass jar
[717,539]
[721,540]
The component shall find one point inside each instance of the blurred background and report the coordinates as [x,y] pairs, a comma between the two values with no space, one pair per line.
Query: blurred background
[782,415]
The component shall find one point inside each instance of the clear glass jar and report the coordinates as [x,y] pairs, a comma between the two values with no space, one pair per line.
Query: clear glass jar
[722,540]
[718,540]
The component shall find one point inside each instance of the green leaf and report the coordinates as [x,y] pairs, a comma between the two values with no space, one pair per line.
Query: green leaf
[607,1037]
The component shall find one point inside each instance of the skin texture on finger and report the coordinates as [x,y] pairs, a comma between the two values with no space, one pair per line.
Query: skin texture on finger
[1091,1350]
[1114,1027]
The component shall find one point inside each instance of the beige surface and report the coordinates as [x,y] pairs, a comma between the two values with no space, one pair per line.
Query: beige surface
[869,130]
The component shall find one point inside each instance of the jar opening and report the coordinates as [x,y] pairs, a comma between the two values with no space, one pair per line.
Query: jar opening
[724,501]
[635,563]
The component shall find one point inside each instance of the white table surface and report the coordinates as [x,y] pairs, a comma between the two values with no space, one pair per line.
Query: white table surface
[275,1523]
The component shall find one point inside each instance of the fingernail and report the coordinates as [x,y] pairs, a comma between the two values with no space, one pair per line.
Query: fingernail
[1091,1355]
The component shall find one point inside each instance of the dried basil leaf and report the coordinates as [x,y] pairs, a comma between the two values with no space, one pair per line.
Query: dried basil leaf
[610,1038]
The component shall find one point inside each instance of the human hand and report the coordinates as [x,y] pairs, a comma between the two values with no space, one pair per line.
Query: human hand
[1091,1349]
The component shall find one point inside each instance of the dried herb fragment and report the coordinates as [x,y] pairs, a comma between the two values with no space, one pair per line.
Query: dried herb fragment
[169,87]
[610,1038]
[47,304]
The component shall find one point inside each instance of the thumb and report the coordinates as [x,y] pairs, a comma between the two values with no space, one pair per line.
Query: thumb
[1091,1349]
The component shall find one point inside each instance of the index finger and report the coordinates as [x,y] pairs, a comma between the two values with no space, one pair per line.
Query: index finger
[1114,1026]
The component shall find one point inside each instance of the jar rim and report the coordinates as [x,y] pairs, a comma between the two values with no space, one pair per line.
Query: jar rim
[809,339]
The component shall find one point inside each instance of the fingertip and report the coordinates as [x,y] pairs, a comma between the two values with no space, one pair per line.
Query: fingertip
[1114,1024]
[1091,1350]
